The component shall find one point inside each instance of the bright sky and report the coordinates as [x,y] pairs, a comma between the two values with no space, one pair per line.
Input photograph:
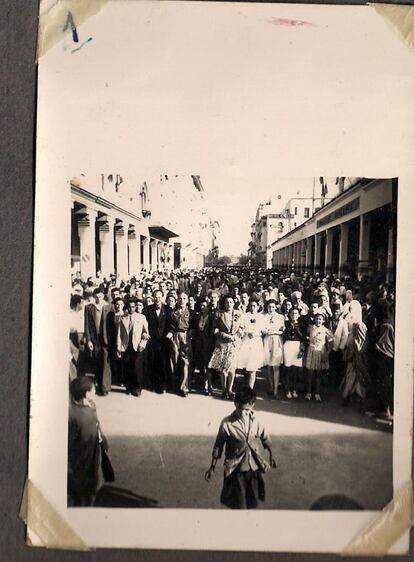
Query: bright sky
[165,87]
[234,202]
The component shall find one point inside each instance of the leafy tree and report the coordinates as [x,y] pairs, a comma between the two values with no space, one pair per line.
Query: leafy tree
[224,260]
[243,259]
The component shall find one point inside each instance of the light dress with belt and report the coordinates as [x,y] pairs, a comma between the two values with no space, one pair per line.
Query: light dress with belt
[272,341]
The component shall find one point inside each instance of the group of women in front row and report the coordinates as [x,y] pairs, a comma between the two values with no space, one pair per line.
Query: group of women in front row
[252,340]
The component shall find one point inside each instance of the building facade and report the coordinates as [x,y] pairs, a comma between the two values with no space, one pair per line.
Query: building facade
[354,234]
[268,227]
[179,202]
[300,209]
[122,228]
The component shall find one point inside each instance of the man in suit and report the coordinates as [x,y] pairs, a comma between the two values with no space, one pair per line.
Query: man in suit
[158,345]
[244,301]
[113,320]
[131,342]
[96,336]
[309,319]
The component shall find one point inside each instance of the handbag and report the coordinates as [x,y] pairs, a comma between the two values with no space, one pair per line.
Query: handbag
[106,465]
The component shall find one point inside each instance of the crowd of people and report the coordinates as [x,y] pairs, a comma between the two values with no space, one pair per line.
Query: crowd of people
[185,331]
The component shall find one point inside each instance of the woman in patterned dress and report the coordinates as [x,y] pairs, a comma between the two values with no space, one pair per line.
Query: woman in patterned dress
[228,328]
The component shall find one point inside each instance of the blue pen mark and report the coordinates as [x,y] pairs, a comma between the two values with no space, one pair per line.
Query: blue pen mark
[71,24]
[80,46]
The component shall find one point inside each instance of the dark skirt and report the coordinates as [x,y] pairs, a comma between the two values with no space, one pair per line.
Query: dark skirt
[243,490]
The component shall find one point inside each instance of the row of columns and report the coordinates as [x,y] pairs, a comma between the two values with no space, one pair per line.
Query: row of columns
[119,242]
[305,255]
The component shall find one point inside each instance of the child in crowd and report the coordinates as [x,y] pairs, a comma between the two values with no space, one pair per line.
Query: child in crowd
[241,436]
[317,355]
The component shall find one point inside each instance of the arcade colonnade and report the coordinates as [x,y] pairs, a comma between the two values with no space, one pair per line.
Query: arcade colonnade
[354,234]
[108,239]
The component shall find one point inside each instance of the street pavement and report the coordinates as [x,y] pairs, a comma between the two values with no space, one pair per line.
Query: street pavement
[160,446]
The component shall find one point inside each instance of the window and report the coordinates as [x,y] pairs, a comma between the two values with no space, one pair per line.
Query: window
[296,211]
[295,225]
[306,213]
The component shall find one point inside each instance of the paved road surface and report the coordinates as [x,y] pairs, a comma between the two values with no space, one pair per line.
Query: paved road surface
[161,447]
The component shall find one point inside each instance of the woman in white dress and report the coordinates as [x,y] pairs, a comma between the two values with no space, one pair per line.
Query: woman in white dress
[251,350]
[274,324]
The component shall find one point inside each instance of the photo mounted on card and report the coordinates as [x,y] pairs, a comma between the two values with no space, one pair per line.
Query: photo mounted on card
[223,266]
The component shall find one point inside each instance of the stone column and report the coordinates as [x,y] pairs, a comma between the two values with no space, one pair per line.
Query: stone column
[86,231]
[106,239]
[146,251]
[170,256]
[308,255]
[343,249]
[134,254]
[121,240]
[328,251]
[390,254]
[317,261]
[364,236]
[154,257]
[302,255]
[160,255]
[293,260]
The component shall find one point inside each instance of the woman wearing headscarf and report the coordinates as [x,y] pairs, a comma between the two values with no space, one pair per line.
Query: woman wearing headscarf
[384,350]
[356,379]
[340,332]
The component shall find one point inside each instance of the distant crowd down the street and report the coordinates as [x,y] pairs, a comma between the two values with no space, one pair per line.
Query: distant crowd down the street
[182,331]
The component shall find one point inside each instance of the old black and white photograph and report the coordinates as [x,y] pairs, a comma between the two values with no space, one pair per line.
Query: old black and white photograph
[222,321]
[268,350]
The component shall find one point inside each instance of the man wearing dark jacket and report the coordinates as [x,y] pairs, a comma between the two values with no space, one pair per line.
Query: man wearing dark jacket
[96,336]
[158,345]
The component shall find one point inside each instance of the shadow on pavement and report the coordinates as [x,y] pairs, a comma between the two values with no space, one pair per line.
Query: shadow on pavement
[329,410]
[313,471]
[112,496]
